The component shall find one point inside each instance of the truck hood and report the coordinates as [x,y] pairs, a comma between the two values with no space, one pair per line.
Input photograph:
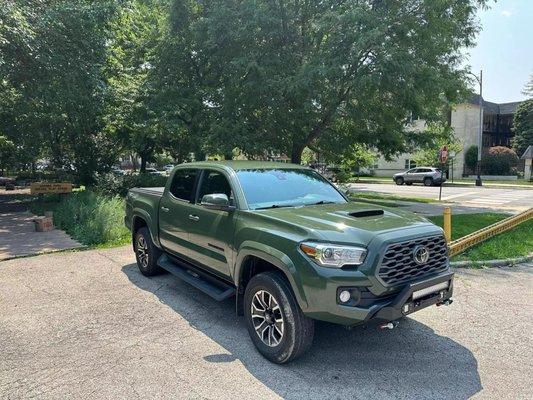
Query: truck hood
[351,222]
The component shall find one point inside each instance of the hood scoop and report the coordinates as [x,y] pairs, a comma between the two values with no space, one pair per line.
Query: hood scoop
[366,213]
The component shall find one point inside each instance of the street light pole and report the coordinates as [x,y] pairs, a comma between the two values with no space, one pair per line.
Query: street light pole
[480,132]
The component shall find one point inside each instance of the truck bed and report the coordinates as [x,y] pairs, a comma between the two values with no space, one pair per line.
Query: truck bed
[144,202]
[156,191]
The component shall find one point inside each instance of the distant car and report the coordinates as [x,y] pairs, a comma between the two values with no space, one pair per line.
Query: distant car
[169,167]
[151,170]
[118,171]
[4,181]
[429,176]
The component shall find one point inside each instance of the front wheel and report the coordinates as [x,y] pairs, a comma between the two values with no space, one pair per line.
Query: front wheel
[399,181]
[428,182]
[276,324]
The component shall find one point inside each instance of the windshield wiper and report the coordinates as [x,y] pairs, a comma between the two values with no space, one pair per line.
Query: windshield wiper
[321,202]
[273,206]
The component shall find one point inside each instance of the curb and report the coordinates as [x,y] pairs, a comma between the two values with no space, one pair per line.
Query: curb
[506,262]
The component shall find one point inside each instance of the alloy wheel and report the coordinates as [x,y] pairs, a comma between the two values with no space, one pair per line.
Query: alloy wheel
[267,318]
[142,251]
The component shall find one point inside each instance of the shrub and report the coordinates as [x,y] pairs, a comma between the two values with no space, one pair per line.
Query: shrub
[90,218]
[499,160]
[116,185]
[343,175]
[471,157]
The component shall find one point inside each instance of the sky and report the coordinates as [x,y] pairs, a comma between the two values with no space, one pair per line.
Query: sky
[504,50]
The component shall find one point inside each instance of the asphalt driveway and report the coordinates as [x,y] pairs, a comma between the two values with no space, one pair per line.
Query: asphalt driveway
[88,325]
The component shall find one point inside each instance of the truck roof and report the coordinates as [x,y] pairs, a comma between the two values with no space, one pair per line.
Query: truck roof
[237,165]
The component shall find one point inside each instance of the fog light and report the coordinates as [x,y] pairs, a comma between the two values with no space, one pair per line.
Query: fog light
[344,296]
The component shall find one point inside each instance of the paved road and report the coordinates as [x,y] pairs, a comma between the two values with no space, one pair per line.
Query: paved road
[497,198]
[88,325]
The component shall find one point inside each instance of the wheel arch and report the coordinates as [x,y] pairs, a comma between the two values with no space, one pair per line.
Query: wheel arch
[254,258]
[142,219]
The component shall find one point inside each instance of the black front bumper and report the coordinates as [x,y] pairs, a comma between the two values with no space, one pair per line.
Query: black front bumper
[403,304]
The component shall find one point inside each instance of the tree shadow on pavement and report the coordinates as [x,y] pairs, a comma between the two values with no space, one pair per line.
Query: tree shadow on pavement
[409,362]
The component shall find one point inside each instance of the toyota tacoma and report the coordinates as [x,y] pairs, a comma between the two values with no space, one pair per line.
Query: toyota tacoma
[289,247]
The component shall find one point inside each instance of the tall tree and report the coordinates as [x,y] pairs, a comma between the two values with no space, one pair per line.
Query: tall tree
[54,65]
[523,127]
[289,74]
[133,118]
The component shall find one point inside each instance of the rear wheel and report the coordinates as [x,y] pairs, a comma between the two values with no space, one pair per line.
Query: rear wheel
[399,181]
[276,324]
[146,252]
[428,181]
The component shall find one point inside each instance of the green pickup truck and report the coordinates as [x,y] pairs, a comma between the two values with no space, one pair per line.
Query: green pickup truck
[289,247]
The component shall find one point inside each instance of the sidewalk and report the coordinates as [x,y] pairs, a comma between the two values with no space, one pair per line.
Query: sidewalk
[18,238]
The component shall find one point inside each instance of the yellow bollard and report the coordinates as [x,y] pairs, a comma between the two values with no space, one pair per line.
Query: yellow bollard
[448,224]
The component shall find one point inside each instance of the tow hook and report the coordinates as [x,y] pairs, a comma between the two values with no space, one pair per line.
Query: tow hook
[389,325]
[445,303]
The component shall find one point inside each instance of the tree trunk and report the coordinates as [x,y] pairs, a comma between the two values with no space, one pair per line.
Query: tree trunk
[142,170]
[296,156]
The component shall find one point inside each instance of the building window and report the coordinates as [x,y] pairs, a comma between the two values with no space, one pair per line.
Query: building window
[409,164]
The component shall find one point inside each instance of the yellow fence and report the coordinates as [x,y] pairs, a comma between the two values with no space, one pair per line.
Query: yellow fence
[459,245]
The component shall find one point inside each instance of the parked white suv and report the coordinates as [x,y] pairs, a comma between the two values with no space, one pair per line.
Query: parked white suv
[429,176]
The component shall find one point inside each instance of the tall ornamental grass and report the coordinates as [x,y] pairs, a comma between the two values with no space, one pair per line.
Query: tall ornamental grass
[90,218]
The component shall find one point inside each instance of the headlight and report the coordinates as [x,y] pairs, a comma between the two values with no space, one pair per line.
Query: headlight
[333,255]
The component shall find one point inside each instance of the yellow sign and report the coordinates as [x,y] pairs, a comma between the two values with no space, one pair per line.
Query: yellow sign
[50,187]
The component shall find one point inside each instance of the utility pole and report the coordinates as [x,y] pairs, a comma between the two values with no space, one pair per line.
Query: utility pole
[480,132]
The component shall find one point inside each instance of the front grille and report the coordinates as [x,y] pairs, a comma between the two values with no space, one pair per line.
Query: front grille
[399,266]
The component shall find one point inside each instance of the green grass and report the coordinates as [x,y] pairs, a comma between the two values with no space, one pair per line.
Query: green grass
[93,220]
[367,196]
[517,242]
[495,182]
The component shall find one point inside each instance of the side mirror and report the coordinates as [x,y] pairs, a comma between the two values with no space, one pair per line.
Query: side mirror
[216,201]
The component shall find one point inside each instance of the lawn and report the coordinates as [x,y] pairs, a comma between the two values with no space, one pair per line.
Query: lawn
[514,243]
[368,196]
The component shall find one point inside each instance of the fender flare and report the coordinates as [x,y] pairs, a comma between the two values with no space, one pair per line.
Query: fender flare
[274,257]
[144,215]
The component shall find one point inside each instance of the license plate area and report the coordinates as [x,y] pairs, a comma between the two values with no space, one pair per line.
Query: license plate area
[430,290]
[425,297]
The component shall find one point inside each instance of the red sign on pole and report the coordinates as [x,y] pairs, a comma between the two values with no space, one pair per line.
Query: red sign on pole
[443,154]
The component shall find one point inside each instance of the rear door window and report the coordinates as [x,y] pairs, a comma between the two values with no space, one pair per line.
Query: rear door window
[183,183]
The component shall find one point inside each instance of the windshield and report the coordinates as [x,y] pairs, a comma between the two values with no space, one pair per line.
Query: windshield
[271,188]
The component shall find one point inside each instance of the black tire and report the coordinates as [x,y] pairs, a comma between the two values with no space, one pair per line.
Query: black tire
[399,181]
[297,329]
[428,182]
[147,258]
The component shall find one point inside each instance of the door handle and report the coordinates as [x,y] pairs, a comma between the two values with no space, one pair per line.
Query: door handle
[193,217]
[165,209]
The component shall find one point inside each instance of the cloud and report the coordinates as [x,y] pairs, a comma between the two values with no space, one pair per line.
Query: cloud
[506,13]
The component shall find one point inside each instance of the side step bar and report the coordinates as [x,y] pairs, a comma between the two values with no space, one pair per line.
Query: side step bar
[210,285]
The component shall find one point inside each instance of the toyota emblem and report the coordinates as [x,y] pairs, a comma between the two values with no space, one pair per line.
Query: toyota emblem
[421,254]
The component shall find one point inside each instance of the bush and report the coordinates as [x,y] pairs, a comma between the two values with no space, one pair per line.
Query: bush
[499,160]
[116,185]
[90,218]
[343,175]
[471,157]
